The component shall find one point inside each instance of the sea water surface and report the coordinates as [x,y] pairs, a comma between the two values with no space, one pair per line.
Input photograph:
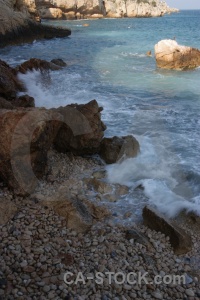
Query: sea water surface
[161,108]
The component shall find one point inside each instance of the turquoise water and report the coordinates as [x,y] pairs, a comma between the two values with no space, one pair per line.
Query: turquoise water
[107,61]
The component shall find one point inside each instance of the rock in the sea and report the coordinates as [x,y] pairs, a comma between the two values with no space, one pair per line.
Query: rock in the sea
[82,129]
[117,148]
[7,210]
[9,84]
[179,239]
[59,62]
[170,55]
[37,64]
[79,215]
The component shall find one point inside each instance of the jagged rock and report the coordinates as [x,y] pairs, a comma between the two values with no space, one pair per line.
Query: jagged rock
[59,62]
[179,239]
[79,215]
[37,64]
[170,55]
[17,25]
[7,210]
[24,101]
[148,53]
[9,84]
[82,129]
[117,148]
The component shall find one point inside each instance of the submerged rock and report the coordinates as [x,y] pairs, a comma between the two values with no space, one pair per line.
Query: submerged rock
[59,62]
[118,148]
[179,239]
[170,55]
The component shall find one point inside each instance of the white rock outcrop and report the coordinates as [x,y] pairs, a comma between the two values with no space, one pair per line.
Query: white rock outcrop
[170,55]
[109,8]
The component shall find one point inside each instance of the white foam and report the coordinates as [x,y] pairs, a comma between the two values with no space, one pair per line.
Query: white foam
[154,168]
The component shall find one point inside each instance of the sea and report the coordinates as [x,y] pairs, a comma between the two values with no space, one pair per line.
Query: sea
[107,61]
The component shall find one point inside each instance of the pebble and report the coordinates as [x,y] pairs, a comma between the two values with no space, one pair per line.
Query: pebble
[40,243]
[189,293]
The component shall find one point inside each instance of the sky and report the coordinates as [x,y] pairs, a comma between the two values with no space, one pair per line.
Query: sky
[184,4]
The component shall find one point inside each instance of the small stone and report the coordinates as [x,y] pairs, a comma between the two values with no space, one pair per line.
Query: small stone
[46,288]
[157,295]
[189,293]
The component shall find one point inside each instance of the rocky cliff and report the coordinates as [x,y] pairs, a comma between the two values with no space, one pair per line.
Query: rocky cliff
[18,23]
[77,9]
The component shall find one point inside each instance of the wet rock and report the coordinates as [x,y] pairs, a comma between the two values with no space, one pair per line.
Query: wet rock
[82,129]
[100,186]
[37,64]
[179,239]
[148,53]
[9,84]
[59,62]
[7,210]
[170,55]
[118,148]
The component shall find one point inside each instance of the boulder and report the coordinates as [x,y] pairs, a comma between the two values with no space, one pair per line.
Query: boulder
[9,84]
[28,133]
[82,129]
[170,55]
[37,64]
[79,215]
[117,148]
[179,239]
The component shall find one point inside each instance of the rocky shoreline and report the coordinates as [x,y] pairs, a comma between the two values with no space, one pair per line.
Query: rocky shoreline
[17,25]
[62,222]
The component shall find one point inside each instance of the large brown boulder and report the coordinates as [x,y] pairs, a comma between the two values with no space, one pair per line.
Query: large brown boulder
[117,148]
[179,239]
[28,133]
[170,55]
[82,129]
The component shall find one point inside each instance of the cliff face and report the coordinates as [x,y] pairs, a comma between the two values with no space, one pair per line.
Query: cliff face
[77,9]
[17,23]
